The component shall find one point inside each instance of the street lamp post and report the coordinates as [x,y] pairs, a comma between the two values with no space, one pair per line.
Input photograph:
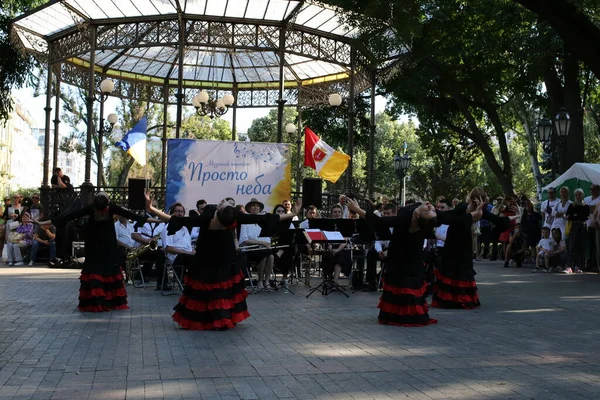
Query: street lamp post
[290,129]
[401,166]
[107,86]
[552,136]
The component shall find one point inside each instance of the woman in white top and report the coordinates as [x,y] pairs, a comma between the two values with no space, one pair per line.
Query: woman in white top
[560,210]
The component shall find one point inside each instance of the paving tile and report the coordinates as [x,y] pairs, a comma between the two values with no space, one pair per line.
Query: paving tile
[323,347]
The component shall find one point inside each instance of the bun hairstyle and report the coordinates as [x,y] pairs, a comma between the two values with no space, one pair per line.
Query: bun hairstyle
[100,201]
[226,215]
[172,208]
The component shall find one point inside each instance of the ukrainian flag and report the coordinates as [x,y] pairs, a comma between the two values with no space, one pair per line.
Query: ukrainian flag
[134,142]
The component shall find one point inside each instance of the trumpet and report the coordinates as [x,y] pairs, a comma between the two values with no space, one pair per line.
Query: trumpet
[132,255]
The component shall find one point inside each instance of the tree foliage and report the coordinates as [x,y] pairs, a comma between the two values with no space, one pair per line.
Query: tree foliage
[16,67]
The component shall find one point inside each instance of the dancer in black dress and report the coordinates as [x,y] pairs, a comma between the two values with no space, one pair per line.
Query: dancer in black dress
[455,285]
[214,294]
[102,287]
[403,301]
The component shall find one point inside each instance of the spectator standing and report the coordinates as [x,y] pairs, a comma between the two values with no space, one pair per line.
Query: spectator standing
[592,201]
[37,209]
[531,223]
[560,210]
[547,208]
[577,214]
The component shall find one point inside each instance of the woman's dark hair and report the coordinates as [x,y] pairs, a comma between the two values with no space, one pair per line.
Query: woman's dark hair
[226,215]
[100,202]
[277,206]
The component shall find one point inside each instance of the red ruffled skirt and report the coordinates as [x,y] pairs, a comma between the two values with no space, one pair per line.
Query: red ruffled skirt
[101,292]
[211,306]
[404,304]
[454,293]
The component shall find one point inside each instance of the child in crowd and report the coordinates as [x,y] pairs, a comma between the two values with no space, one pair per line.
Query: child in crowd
[545,251]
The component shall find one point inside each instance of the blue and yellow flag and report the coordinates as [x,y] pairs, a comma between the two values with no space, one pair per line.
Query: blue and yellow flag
[134,142]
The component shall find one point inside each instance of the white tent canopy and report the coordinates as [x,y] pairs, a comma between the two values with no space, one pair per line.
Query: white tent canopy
[579,175]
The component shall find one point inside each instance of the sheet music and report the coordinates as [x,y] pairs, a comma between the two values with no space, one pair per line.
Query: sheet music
[333,235]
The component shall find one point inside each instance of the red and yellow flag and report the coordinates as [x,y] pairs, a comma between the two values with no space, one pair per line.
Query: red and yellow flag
[330,164]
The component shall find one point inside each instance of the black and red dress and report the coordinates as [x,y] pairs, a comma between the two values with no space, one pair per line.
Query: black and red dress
[102,287]
[455,285]
[403,301]
[214,294]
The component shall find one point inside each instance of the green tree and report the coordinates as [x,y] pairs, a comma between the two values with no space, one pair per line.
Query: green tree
[196,127]
[16,67]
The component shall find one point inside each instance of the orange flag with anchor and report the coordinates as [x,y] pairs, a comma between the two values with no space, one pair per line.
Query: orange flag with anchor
[330,164]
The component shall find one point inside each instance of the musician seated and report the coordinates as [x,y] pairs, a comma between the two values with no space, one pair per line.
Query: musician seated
[311,213]
[377,253]
[123,230]
[178,247]
[150,235]
[341,257]
[250,236]
[283,256]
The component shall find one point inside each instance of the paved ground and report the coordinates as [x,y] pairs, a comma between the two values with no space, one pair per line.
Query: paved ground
[536,337]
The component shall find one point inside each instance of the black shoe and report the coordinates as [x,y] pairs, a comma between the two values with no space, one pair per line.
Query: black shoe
[505,264]
[52,263]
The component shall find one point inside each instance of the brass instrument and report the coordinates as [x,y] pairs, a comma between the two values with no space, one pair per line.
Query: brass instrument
[135,253]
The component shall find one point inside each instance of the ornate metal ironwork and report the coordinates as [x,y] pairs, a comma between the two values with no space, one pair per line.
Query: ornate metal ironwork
[122,38]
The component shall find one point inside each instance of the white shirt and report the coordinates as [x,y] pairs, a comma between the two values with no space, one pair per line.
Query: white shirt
[180,240]
[549,219]
[561,222]
[592,203]
[149,230]
[441,230]
[251,232]
[124,233]
[547,244]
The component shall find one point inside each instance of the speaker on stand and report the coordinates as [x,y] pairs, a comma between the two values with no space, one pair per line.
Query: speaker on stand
[137,201]
[312,192]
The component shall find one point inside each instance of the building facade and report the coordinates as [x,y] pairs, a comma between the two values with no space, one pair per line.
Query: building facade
[21,157]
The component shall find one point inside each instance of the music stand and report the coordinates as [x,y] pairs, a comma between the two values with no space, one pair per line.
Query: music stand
[343,226]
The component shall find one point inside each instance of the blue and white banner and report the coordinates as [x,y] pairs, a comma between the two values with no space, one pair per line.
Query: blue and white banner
[212,170]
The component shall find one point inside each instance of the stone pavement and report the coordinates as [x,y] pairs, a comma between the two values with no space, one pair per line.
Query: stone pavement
[535,337]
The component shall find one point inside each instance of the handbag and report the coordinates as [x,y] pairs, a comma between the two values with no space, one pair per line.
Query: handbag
[568,228]
[13,225]
[16,238]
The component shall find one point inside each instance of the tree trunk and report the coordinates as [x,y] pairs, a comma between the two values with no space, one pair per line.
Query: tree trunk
[532,149]
[575,147]
[502,173]
[580,34]
[125,173]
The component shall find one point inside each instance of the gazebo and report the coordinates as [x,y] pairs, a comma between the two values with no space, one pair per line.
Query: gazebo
[236,53]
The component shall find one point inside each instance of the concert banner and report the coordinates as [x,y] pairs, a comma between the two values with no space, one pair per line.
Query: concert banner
[213,170]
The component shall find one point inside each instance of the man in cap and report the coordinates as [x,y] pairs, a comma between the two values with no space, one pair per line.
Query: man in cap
[250,236]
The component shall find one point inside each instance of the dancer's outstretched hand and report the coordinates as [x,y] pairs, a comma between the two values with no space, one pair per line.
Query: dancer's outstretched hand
[148,197]
[478,213]
[352,205]
[297,206]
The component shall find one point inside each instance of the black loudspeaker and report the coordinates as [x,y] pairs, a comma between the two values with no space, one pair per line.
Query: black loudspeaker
[312,190]
[136,193]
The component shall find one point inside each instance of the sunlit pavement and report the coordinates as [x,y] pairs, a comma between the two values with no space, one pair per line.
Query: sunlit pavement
[535,337]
